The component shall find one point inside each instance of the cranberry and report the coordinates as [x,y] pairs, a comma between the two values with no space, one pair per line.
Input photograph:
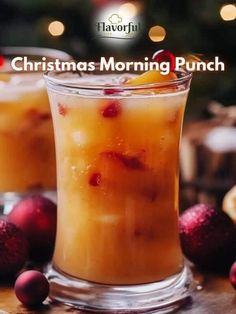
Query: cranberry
[165,56]
[62,110]
[130,162]
[112,91]
[37,116]
[112,110]
[95,179]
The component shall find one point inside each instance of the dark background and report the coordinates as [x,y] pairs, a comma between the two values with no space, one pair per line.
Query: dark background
[192,26]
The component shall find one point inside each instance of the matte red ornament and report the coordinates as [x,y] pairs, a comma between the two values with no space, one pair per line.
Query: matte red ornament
[31,288]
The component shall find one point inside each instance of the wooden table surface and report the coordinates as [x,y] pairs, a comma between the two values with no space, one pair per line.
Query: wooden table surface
[212,294]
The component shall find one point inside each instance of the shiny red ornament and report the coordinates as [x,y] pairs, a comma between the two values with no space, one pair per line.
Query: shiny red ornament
[36,217]
[208,237]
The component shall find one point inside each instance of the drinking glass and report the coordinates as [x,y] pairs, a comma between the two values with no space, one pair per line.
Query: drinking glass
[117,150]
[27,154]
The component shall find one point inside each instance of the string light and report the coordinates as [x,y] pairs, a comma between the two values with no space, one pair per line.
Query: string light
[56,28]
[157,33]
[228,12]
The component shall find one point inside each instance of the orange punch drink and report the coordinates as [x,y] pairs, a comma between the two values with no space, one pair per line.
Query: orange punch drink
[117,150]
[27,153]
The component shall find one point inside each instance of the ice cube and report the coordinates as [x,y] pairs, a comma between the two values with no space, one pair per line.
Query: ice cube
[79,137]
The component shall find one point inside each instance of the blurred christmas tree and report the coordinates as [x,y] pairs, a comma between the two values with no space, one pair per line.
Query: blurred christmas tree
[190,26]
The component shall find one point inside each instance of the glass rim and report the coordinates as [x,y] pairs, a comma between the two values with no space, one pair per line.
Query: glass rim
[52,81]
[32,51]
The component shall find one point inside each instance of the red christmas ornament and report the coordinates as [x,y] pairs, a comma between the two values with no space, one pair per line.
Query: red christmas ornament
[165,56]
[31,288]
[232,275]
[13,249]
[208,237]
[36,217]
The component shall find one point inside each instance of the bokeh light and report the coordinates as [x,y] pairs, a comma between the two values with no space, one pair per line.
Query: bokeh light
[128,9]
[56,28]
[228,12]
[157,33]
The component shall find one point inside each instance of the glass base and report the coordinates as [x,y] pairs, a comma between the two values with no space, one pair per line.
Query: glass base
[9,199]
[160,297]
